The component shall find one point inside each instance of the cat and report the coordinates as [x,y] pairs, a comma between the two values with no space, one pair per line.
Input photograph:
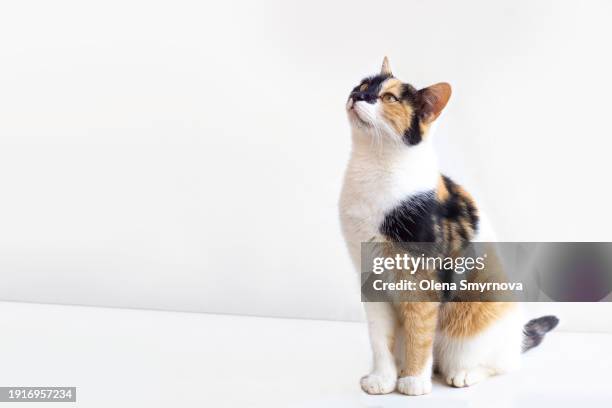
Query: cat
[393,191]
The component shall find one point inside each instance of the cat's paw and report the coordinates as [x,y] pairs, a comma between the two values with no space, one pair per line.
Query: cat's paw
[378,383]
[414,385]
[465,378]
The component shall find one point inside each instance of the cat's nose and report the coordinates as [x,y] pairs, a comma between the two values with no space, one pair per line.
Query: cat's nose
[363,96]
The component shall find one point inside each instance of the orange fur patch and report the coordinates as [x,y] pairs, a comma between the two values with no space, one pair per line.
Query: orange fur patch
[419,325]
[397,114]
[441,190]
[467,319]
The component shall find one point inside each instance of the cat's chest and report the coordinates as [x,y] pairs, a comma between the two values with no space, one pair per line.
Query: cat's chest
[375,185]
[367,202]
[361,215]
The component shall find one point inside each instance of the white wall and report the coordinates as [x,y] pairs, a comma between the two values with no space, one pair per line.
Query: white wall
[188,155]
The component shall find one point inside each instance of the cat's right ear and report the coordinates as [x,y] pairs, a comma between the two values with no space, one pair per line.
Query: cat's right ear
[386,67]
[432,100]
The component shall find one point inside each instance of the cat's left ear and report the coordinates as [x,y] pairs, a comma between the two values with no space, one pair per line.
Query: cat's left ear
[386,67]
[432,100]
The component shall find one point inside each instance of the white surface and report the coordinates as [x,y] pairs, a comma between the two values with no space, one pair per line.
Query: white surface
[187,155]
[152,359]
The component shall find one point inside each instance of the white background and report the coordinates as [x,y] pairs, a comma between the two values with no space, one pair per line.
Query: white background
[185,155]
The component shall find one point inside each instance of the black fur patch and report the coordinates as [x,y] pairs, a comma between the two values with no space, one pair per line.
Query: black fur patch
[413,220]
[456,206]
[375,82]
[370,95]
[410,94]
[412,135]
[536,329]
[421,218]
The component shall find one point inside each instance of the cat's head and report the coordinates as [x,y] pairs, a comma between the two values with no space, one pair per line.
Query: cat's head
[384,106]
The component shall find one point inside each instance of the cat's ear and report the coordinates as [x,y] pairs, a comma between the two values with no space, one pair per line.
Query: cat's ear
[432,100]
[386,67]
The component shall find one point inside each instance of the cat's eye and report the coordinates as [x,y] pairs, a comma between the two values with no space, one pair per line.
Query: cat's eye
[389,98]
[363,87]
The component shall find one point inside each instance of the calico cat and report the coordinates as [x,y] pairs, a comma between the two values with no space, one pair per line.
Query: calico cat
[394,192]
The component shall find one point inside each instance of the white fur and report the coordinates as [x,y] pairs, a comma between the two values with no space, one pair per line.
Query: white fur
[417,384]
[382,327]
[497,350]
[382,172]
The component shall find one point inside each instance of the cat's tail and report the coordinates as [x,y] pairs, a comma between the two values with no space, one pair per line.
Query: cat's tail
[536,329]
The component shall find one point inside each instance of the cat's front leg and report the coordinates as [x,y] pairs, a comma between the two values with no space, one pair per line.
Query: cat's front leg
[382,323]
[418,322]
